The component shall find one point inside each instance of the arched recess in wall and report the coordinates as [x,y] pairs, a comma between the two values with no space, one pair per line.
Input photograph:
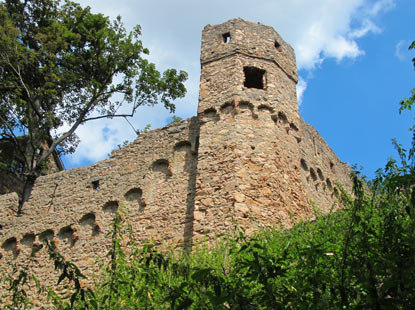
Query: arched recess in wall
[228,108]
[304,165]
[320,174]
[265,113]
[210,114]
[156,181]
[246,108]
[110,207]
[293,127]
[329,184]
[134,198]
[89,225]
[109,210]
[10,245]
[46,235]
[281,121]
[313,174]
[265,108]
[282,117]
[182,157]
[161,169]
[67,235]
[295,132]
[28,240]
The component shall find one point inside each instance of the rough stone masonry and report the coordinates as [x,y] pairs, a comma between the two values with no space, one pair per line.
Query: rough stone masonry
[246,158]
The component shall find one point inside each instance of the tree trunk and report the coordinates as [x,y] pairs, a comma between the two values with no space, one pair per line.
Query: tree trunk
[27,190]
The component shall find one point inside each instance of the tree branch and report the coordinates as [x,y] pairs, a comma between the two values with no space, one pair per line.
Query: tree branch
[107,116]
[79,121]
[17,72]
[9,127]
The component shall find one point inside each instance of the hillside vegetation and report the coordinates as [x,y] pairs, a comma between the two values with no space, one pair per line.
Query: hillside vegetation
[361,257]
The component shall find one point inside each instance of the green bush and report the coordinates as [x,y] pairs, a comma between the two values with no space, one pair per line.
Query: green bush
[360,257]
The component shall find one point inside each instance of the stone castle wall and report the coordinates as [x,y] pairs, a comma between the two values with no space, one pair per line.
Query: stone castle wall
[247,158]
[322,172]
[150,179]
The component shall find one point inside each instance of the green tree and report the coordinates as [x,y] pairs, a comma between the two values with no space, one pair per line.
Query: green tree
[62,66]
[176,119]
[406,104]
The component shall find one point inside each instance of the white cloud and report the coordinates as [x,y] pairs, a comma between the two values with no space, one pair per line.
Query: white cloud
[341,48]
[301,87]
[317,29]
[367,27]
[401,50]
[330,29]
[381,6]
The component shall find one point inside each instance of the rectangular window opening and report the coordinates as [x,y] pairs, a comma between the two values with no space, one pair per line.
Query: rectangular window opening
[277,45]
[254,77]
[95,185]
[226,37]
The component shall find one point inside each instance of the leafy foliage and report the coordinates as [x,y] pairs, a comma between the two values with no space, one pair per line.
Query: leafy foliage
[62,66]
[406,104]
[361,257]
[15,282]
[176,119]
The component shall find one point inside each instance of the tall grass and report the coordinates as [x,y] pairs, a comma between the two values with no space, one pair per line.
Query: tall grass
[361,257]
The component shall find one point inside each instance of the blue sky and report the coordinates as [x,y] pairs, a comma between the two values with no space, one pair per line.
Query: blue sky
[354,104]
[352,57]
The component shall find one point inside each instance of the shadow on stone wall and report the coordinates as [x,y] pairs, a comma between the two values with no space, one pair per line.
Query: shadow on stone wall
[191,166]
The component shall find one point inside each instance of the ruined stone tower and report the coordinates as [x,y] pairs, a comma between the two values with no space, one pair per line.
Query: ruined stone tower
[249,155]
[248,61]
[246,158]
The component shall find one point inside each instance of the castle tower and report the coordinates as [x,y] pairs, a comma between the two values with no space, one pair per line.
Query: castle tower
[247,157]
[249,154]
[242,60]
